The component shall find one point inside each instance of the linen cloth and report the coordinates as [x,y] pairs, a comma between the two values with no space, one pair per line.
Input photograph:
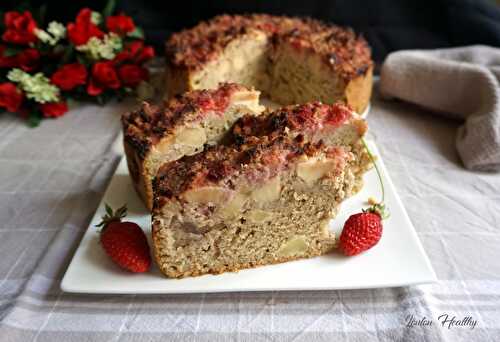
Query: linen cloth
[461,83]
[52,179]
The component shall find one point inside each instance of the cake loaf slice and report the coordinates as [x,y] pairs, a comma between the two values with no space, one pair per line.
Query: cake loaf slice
[154,134]
[265,198]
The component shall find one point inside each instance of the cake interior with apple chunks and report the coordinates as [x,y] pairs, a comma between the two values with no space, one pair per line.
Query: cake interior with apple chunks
[155,134]
[264,196]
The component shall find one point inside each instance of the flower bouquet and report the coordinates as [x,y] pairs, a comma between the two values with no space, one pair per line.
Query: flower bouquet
[97,57]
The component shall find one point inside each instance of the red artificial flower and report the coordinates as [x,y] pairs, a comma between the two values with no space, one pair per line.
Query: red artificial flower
[83,29]
[6,62]
[28,60]
[103,77]
[135,52]
[20,28]
[69,76]
[10,97]
[131,75]
[54,109]
[120,24]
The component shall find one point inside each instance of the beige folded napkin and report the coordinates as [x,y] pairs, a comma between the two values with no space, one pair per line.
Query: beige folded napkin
[461,83]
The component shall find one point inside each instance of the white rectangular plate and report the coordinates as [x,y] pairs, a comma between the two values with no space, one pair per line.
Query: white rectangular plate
[397,260]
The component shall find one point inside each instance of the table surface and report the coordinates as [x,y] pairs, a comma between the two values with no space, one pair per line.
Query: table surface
[51,181]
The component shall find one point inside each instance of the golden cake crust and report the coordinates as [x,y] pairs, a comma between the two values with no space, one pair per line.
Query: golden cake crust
[346,52]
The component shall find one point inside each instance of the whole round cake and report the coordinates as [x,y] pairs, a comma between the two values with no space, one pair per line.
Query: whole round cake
[291,60]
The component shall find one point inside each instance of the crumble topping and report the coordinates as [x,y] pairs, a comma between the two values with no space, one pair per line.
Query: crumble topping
[147,125]
[259,159]
[309,117]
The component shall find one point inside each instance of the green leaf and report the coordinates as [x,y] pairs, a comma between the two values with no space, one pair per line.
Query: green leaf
[60,49]
[138,33]
[11,51]
[109,211]
[82,60]
[24,6]
[34,119]
[122,211]
[100,99]
[67,55]
[41,14]
[109,8]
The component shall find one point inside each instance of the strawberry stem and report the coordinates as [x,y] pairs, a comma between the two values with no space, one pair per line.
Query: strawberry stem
[379,175]
[380,207]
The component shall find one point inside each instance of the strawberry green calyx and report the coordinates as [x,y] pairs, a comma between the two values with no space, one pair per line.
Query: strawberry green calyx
[377,208]
[111,216]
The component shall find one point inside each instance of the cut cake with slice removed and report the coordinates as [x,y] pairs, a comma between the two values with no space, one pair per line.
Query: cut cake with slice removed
[154,134]
[291,60]
[264,197]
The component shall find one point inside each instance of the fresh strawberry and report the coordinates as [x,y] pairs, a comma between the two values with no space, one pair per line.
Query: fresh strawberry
[362,231]
[124,242]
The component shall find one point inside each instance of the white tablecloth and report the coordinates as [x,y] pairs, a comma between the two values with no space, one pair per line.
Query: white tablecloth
[51,181]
